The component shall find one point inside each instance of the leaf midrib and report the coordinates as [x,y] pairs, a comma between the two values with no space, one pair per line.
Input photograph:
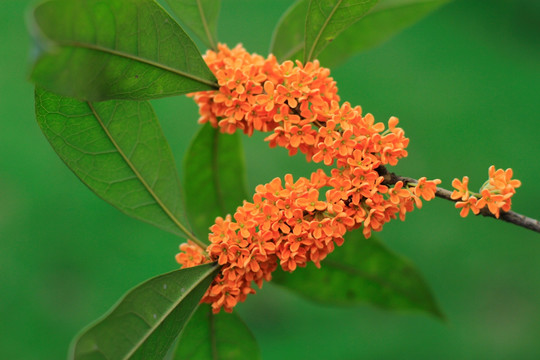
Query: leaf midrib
[205,25]
[78,44]
[323,27]
[168,312]
[374,10]
[139,176]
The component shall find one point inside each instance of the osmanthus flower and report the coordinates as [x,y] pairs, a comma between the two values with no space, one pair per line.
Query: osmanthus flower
[397,193]
[268,98]
[495,195]
[291,223]
[426,188]
[469,204]
[493,202]
[461,189]
[191,255]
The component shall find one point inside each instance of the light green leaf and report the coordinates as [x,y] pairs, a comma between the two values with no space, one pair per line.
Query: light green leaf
[222,336]
[201,16]
[385,20]
[114,49]
[288,37]
[214,177]
[145,322]
[118,150]
[326,19]
[363,271]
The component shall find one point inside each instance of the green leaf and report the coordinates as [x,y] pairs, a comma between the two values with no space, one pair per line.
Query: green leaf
[288,38]
[115,49]
[118,150]
[145,322]
[385,20]
[214,177]
[327,19]
[222,336]
[201,16]
[363,271]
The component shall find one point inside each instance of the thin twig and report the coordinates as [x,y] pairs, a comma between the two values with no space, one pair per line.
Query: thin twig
[508,216]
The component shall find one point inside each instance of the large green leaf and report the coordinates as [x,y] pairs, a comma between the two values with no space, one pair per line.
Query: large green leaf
[201,16]
[114,49]
[214,177]
[223,336]
[385,19]
[145,322]
[118,150]
[326,19]
[363,271]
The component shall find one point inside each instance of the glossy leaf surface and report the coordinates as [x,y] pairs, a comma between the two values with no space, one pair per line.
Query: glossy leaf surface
[215,177]
[201,16]
[118,150]
[363,271]
[221,336]
[326,19]
[145,322]
[384,20]
[114,49]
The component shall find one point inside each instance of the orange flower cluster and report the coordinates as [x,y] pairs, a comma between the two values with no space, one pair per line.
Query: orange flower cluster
[496,193]
[258,94]
[289,223]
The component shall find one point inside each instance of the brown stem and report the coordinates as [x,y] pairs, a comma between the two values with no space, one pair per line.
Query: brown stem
[508,216]
[391,179]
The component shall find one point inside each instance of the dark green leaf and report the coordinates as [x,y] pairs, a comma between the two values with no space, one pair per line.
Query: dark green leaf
[288,38]
[223,336]
[363,271]
[200,16]
[326,19]
[385,20]
[214,177]
[115,49]
[145,322]
[118,150]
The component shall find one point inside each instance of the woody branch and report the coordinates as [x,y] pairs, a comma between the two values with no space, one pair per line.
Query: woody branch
[513,217]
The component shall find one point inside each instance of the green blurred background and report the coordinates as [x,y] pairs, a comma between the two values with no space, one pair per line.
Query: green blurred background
[465,83]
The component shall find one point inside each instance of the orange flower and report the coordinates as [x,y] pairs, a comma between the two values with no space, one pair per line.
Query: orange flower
[495,194]
[285,116]
[397,193]
[191,255]
[426,188]
[289,94]
[469,204]
[492,201]
[287,224]
[267,99]
[311,202]
[303,135]
[502,181]
[324,154]
[462,191]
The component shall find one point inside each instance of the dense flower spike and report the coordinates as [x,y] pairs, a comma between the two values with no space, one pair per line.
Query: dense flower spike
[495,195]
[291,223]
